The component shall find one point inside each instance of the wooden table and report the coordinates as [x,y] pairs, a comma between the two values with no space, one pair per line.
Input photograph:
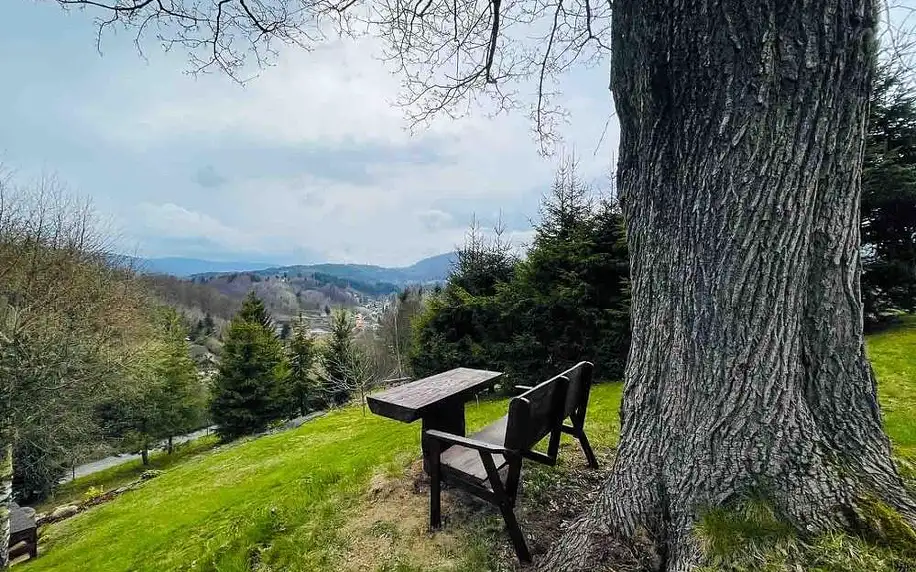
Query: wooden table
[437,400]
[22,529]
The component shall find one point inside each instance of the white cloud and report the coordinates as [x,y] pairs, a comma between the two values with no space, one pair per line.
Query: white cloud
[195,156]
[169,220]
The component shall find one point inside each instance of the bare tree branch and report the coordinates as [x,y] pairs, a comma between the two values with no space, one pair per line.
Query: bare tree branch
[451,54]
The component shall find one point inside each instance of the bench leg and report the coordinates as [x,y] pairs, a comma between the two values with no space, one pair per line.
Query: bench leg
[515,533]
[553,447]
[435,487]
[587,449]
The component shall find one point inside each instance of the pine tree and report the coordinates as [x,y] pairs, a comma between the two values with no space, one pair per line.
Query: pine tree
[889,199]
[179,397]
[338,354]
[302,354]
[254,311]
[570,298]
[209,325]
[163,397]
[250,386]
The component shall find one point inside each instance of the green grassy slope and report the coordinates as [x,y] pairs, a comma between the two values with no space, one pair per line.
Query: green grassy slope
[279,500]
[283,502]
[893,357]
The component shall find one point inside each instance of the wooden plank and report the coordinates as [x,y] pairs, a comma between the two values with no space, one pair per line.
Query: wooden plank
[468,460]
[20,520]
[410,401]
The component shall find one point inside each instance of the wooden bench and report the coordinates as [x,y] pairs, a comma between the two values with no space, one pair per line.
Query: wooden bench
[23,533]
[488,463]
[574,410]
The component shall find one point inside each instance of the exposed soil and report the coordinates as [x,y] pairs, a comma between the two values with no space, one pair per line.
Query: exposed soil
[393,526]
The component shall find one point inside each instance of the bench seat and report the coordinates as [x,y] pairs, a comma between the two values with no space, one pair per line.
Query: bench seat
[467,462]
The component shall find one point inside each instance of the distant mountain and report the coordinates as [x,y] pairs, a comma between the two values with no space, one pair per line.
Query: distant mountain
[433,269]
[185,267]
[286,290]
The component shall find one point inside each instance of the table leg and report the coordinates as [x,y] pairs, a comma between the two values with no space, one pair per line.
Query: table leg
[448,417]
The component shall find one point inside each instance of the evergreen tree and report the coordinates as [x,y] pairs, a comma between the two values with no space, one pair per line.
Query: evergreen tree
[338,354]
[254,311]
[302,354]
[164,397]
[570,297]
[285,331]
[483,262]
[209,325]
[464,324]
[889,199]
[179,398]
[567,301]
[250,386]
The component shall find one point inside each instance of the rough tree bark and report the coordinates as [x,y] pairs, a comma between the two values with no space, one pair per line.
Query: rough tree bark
[742,130]
[6,497]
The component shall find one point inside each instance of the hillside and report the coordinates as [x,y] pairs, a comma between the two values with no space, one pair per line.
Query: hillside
[184,267]
[341,493]
[433,269]
[289,290]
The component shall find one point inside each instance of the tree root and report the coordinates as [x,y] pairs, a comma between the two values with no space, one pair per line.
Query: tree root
[596,541]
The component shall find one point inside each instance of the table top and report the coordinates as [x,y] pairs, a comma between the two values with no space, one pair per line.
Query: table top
[20,520]
[410,401]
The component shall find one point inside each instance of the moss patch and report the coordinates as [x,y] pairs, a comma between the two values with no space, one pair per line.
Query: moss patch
[750,537]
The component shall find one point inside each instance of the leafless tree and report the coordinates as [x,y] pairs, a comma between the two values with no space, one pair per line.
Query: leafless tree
[66,319]
[355,374]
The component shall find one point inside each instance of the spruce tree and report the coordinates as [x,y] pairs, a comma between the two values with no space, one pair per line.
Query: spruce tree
[250,386]
[302,353]
[889,199]
[209,324]
[569,297]
[337,356]
[180,397]
[254,311]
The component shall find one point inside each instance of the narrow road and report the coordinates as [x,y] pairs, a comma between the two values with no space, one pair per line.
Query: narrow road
[115,460]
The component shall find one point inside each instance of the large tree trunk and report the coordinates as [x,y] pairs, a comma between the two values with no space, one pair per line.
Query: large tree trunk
[742,129]
[6,497]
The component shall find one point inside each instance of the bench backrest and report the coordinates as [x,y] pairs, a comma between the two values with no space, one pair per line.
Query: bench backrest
[535,413]
[580,385]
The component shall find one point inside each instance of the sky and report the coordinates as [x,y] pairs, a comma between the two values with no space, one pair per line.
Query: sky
[309,162]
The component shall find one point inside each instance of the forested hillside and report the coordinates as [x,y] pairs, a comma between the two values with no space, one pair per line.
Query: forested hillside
[284,293]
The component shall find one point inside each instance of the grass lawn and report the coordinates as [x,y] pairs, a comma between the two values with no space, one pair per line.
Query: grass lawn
[281,500]
[332,495]
[893,357]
